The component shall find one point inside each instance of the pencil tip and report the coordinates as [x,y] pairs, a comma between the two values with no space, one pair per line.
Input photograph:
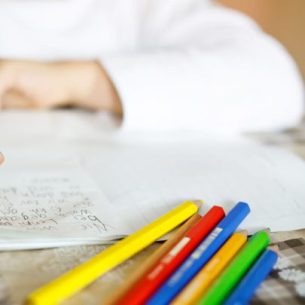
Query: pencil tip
[199,203]
[243,232]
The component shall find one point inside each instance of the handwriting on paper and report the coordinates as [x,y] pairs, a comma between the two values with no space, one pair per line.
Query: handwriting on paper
[50,204]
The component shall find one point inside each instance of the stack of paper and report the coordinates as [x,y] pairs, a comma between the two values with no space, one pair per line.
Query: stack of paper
[83,190]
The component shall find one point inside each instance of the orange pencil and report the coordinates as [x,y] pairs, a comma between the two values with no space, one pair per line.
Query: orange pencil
[192,293]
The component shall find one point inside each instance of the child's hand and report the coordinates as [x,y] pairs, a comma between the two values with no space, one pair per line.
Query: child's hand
[26,84]
[1,158]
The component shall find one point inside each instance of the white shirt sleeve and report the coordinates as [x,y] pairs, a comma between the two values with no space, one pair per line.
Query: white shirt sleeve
[176,64]
[209,69]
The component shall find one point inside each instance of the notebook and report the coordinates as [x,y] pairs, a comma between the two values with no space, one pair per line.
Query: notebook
[99,194]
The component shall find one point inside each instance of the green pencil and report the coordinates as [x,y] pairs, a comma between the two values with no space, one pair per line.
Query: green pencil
[236,270]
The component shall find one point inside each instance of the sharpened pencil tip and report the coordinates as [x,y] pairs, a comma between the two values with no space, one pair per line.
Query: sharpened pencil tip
[199,203]
[274,248]
[243,232]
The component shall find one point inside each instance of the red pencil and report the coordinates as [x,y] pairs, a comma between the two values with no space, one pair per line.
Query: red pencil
[154,278]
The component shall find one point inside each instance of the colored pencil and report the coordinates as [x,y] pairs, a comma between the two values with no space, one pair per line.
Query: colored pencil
[151,260]
[236,270]
[81,276]
[200,256]
[204,279]
[245,290]
[154,278]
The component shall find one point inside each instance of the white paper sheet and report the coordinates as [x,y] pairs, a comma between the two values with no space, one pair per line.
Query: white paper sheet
[153,176]
[137,179]
[47,205]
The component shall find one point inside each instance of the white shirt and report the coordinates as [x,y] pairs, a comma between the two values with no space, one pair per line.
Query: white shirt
[177,64]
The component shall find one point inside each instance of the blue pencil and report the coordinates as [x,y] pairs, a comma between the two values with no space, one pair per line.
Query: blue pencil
[200,256]
[244,291]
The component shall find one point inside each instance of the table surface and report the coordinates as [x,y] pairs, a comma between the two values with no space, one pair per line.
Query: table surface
[23,271]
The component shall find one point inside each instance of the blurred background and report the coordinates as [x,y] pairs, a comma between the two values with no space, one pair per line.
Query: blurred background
[284,19]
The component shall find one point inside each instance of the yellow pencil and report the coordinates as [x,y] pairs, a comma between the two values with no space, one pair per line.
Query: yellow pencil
[203,280]
[151,261]
[79,277]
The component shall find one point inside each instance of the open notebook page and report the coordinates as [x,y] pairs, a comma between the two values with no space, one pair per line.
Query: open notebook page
[153,178]
[52,204]
[48,199]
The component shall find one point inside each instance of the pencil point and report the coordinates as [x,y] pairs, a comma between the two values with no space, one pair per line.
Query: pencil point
[199,203]
[274,248]
[243,232]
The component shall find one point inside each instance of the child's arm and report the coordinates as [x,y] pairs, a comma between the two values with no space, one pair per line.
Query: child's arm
[25,84]
[176,65]
[207,69]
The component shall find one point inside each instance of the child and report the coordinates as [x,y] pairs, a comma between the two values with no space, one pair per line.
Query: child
[157,64]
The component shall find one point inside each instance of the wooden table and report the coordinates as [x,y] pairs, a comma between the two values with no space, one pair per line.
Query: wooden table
[23,271]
